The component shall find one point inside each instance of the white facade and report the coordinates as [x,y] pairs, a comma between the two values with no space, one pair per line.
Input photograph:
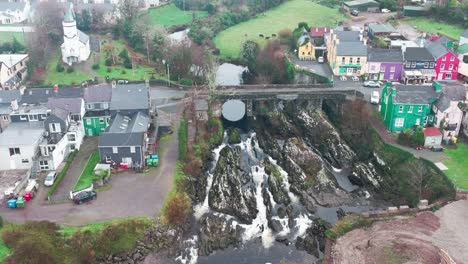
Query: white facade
[452,116]
[14,12]
[463,66]
[75,47]
[13,69]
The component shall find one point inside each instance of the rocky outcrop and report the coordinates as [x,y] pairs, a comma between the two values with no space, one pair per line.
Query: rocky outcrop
[365,174]
[276,184]
[228,194]
[217,233]
[314,240]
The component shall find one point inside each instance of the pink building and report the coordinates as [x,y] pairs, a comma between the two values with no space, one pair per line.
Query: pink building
[446,61]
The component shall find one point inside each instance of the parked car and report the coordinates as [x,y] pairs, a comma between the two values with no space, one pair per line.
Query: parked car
[374,99]
[354,12]
[50,178]
[355,78]
[385,10]
[437,149]
[84,197]
[320,59]
[371,84]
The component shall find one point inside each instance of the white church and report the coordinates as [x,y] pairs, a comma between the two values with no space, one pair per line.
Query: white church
[75,47]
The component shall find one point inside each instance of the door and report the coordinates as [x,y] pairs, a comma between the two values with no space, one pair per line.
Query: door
[12,164]
[349,71]
[127,160]
[418,121]
[90,131]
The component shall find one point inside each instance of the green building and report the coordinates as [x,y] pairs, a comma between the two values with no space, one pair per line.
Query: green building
[407,106]
[95,122]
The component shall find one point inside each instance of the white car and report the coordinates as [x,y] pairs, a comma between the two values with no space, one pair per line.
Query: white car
[50,178]
[374,99]
[320,60]
[385,10]
[372,84]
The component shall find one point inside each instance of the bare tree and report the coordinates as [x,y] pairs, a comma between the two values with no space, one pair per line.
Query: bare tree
[128,9]
[419,172]
[212,65]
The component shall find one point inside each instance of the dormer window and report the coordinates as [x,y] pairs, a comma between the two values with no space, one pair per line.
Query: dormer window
[55,128]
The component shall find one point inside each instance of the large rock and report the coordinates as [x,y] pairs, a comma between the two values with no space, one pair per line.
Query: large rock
[217,233]
[275,225]
[276,184]
[314,239]
[228,194]
[367,174]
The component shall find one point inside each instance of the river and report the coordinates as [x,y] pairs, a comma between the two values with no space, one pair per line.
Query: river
[229,74]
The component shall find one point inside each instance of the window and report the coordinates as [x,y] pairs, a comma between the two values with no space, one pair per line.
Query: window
[382,68]
[71,137]
[44,164]
[450,66]
[410,109]
[14,151]
[425,120]
[105,105]
[55,127]
[407,65]
[420,108]
[108,159]
[72,147]
[465,59]
[358,60]
[399,122]
[89,106]
[343,60]
[372,67]
[88,121]
[452,58]
[448,76]
[442,66]
[391,76]
[132,149]
[115,150]
[392,69]
[33,118]
[444,58]
[303,53]
[43,116]
[350,60]
[23,117]
[5,117]
[413,65]
[431,65]
[25,161]
[101,120]
[400,109]
[426,65]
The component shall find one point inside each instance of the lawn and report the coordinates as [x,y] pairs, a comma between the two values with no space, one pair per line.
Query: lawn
[287,15]
[8,37]
[457,165]
[434,27]
[98,226]
[171,15]
[52,76]
[87,176]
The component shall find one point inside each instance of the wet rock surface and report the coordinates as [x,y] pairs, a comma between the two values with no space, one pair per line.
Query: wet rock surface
[217,233]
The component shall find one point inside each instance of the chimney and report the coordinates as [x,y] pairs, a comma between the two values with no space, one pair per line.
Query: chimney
[14,105]
[403,47]
[364,41]
[114,84]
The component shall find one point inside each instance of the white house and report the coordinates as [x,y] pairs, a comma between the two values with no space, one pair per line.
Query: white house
[449,115]
[14,12]
[463,38]
[13,69]
[75,47]
[463,55]
[19,145]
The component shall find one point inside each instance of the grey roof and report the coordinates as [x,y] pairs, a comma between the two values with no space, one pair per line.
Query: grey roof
[351,49]
[465,33]
[97,94]
[83,37]
[22,134]
[417,54]
[438,47]
[125,131]
[381,28]
[450,94]
[414,94]
[41,95]
[60,113]
[384,55]
[302,40]
[348,36]
[5,109]
[129,97]
[72,105]
[6,96]
[360,2]
[11,5]
[201,105]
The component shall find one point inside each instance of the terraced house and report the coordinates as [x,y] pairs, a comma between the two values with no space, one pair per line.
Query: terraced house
[347,53]
[97,117]
[406,106]
[446,61]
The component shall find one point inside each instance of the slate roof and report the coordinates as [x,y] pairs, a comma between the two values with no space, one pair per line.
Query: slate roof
[41,95]
[6,96]
[381,28]
[83,37]
[129,97]
[302,40]
[11,60]
[319,31]
[100,113]
[450,94]
[22,134]
[438,47]
[414,94]
[72,105]
[60,113]
[351,49]
[360,2]
[4,6]
[97,94]
[417,54]
[465,33]
[384,55]
[348,36]
[125,131]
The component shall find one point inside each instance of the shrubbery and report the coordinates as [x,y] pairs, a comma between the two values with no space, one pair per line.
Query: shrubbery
[183,134]
[411,138]
[177,209]
[70,70]
[96,66]
[59,67]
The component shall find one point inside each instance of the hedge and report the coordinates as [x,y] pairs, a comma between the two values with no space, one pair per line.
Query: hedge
[61,174]
[183,134]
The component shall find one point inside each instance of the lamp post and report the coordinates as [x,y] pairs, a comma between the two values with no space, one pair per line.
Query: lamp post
[167,69]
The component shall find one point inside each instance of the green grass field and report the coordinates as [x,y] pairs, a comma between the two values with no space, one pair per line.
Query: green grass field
[171,15]
[434,27]
[63,78]
[87,176]
[8,37]
[287,15]
[458,166]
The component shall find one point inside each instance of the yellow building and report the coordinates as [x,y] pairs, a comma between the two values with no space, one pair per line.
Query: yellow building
[347,53]
[306,49]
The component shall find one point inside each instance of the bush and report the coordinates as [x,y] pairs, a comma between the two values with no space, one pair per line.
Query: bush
[128,64]
[59,67]
[109,62]
[177,209]
[234,136]
[347,224]
[109,69]
[186,82]
[1,222]
[183,134]
[123,71]
[124,54]
[70,70]
[96,66]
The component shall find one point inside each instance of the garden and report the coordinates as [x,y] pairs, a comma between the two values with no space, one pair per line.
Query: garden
[171,15]
[8,37]
[457,165]
[57,73]
[434,27]
[87,177]
[266,25]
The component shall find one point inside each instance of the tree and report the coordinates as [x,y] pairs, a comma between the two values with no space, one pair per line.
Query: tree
[179,57]
[249,53]
[128,9]
[16,46]
[177,209]
[84,20]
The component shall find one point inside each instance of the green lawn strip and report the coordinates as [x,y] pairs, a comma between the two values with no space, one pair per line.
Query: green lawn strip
[52,76]
[4,251]
[8,37]
[457,165]
[434,27]
[171,15]
[87,176]
[98,226]
[62,173]
[178,175]
[287,15]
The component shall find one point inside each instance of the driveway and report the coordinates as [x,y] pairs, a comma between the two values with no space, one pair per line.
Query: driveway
[76,168]
[130,194]
[367,18]
[313,66]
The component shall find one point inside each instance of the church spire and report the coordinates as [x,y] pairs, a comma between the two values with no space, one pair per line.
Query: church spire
[69,16]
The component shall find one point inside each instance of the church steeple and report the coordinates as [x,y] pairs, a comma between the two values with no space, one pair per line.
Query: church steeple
[69,24]
[69,15]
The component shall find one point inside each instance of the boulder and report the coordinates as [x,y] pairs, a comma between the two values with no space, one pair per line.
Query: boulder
[275,225]
[217,233]
[281,211]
